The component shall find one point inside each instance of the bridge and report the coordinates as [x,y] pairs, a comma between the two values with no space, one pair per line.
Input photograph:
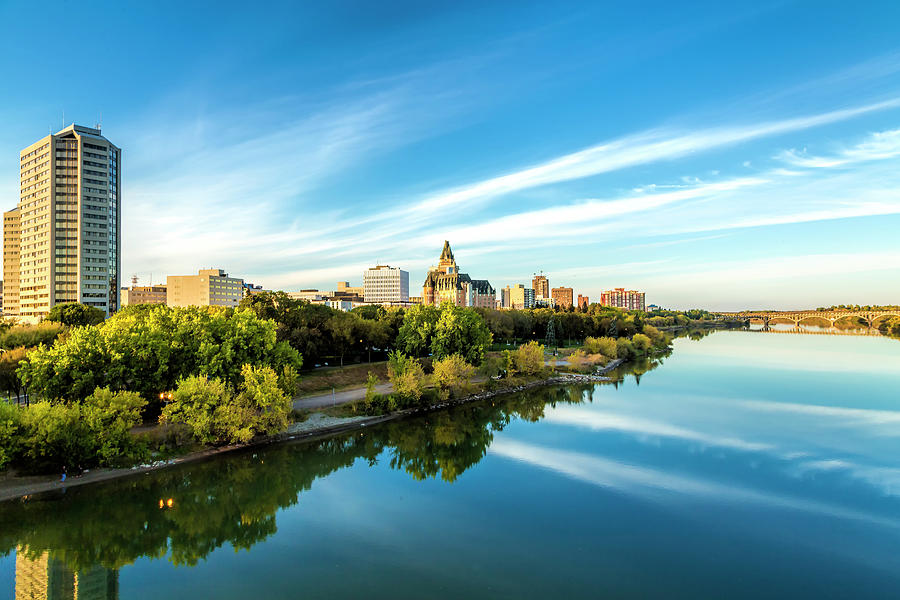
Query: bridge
[796,316]
[797,330]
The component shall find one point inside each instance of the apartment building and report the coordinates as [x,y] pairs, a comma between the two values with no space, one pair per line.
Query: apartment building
[384,284]
[583,301]
[143,294]
[521,297]
[69,222]
[541,286]
[622,298]
[562,296]
[210,287]
[11,241]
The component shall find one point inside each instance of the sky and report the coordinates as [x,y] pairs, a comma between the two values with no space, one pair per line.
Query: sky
[715,155]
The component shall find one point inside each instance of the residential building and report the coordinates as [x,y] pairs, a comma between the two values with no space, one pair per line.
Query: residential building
[445,283]
[583,302]
[541,286]
[521,297]
[143,294]
[384,284]
[652,307]
[210,287]
[562,296]
[69,223]
[11,241]
[622,298]
[544,302]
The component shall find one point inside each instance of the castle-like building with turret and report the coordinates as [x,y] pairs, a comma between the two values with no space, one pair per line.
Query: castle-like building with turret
[444,283]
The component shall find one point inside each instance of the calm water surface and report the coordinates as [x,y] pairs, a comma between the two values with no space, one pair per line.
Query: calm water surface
[744,465]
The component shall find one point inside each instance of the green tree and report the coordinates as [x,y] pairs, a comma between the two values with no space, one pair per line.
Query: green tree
[75,314]
[460,331]
[415,335]
[193,404]
[9,378]
[642,343]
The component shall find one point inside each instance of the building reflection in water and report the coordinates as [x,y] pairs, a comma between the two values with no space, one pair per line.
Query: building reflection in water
[48,578]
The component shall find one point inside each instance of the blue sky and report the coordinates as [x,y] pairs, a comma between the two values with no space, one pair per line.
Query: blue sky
[723,155]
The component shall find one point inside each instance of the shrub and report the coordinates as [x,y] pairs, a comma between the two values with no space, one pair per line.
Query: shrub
[452,374]
[194,403]
[371,382]
[407,376]
[624,348]
[260,408]
[642,343]
[603,345]
[110,416]
[56,438]
[529,358]
[216,414]
[10,434]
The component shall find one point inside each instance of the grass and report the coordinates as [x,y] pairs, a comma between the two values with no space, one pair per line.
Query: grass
[339,378]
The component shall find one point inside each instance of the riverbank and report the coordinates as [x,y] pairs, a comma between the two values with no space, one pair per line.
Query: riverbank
[316,427]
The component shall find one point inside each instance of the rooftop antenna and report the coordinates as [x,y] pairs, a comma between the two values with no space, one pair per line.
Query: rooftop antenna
[134,280]
[100,124]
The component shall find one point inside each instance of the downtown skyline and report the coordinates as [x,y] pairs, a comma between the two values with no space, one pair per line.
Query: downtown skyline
[723,159]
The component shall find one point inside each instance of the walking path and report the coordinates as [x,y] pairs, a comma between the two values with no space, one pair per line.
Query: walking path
[342,397]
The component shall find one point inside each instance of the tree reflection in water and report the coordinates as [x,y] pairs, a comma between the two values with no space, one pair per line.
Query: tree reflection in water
[189,511]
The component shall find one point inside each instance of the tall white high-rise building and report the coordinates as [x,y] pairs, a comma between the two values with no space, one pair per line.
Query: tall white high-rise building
[70,222]
[384,284]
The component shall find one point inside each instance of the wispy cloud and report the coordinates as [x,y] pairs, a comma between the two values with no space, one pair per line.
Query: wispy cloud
[879,146]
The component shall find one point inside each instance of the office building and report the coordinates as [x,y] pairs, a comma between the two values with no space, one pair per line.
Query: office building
[143,294]
[622,298]
[562,296]
[541,286]
[444,283]
[384,284]
[69,224]
[345,289]
[505,295]
[309,295]
[11,241]
[210,287]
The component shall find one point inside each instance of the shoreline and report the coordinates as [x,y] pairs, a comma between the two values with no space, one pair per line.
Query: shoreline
[18,488]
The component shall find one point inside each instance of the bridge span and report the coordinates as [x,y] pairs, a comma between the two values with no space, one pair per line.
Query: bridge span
[796,316]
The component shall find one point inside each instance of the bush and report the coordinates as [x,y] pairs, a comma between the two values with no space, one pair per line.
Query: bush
[407,376]
[452,375]
[215,414]
[527,360]
[624,348]
[10,434]
[76,314]
[371,382]
[193,403]
[642,343]
[109,417]
[603,345]
[56,438]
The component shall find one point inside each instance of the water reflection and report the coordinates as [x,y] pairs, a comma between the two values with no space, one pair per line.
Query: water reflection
[45,576]
[187,512]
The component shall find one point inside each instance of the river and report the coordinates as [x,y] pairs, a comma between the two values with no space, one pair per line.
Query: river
[742,465]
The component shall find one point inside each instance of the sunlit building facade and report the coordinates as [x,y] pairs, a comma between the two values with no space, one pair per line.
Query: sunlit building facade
[69,223]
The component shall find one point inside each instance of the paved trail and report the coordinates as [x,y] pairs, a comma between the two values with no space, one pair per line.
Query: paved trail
[342,397]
